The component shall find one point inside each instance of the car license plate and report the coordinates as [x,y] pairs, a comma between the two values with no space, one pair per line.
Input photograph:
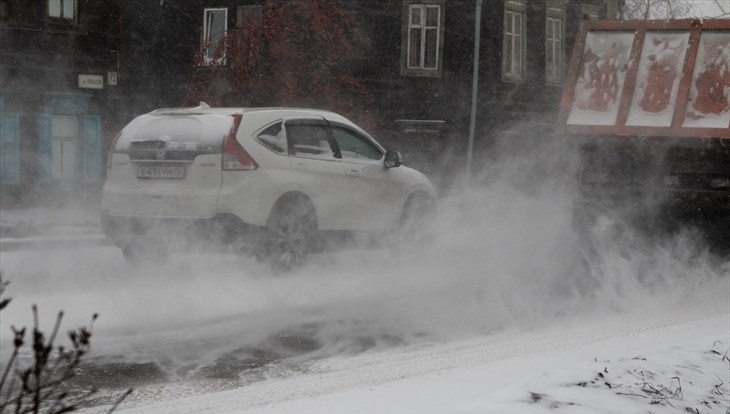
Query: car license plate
[161,171]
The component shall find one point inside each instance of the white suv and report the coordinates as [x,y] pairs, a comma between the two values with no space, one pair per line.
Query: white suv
[278,183]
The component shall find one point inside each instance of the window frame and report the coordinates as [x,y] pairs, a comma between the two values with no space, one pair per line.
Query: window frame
[61,15]
[317,122]
[207,47]
[269,145]
[514,8]
[407,25]
[555,13]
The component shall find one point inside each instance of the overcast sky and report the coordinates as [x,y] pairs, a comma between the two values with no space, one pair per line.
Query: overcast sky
[709,8]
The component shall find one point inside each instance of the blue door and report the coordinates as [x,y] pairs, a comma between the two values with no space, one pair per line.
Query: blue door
[52,155]
[9,148]
[44,146]
[90,148]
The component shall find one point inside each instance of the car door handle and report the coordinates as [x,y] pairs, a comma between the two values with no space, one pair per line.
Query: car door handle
[352,173]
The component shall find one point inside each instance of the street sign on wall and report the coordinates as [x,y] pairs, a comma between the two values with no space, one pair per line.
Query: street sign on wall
[91,81]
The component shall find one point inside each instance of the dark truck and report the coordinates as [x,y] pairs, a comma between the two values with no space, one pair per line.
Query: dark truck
[648,106]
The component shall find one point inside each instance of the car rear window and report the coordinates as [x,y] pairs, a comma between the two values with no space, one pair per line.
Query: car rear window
[175,132]
[273,138]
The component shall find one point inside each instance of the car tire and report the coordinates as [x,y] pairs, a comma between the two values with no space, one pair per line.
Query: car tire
[145,251]
[418,214]
[290,231]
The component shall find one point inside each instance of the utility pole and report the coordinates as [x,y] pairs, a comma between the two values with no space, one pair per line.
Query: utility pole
[474,88]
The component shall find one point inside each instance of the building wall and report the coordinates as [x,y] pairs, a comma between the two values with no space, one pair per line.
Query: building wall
[447,98]
[151,46]
[41,59]
[158,42]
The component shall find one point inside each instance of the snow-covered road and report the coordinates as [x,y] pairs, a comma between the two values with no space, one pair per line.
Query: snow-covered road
[193,330]
[496,306]
[597,366]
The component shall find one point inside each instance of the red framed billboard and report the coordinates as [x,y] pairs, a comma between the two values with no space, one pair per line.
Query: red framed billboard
[649,78]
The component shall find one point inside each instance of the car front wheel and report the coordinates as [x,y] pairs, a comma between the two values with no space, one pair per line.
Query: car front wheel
[418,213]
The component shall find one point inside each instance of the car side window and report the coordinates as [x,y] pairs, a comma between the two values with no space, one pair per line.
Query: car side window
[309,139]
[274,138]
[352,145]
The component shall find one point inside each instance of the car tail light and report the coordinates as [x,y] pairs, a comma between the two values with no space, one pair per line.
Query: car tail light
[234,156]
[111,150]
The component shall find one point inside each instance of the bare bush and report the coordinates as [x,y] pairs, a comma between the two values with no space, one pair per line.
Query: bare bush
[657,9]
[42,384]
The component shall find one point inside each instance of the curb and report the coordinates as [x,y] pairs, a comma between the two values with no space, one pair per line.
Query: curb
[54,243]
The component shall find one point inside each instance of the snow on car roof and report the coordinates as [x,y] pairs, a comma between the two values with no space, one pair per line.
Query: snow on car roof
[203,123]
[204,109]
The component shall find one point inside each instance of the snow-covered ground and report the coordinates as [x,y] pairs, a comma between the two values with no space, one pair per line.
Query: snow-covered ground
[496,314]
[55,221]
[614,365]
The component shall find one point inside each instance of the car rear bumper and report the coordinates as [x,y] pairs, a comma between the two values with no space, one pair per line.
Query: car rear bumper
[223,232]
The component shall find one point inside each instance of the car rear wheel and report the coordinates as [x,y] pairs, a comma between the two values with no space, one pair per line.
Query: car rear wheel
[290,230]
[145,251]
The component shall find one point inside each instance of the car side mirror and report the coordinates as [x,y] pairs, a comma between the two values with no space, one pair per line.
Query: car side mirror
[393,159]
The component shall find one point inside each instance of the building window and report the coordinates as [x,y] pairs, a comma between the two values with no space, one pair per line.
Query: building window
[422,38]
[423,35]
[554,50]
[513,53]
[5,10]
[62,9]
[555,42]
[215,24]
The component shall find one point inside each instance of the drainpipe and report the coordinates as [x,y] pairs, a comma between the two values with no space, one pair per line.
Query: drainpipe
[474,88]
